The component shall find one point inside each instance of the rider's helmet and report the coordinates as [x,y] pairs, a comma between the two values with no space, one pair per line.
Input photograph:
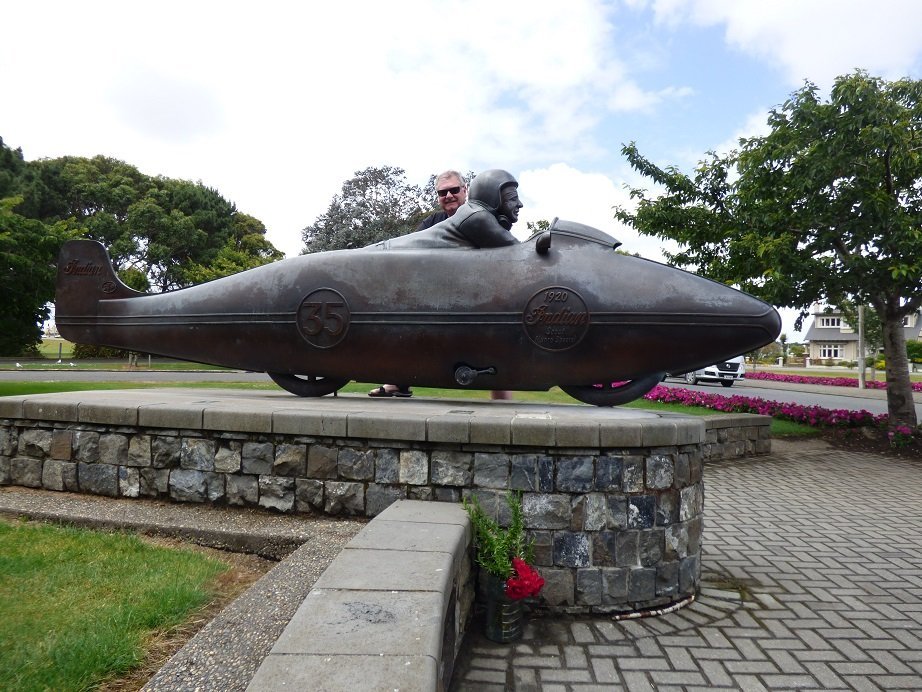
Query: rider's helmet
[486,189]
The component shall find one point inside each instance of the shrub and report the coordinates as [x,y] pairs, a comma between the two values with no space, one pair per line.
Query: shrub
[89,352]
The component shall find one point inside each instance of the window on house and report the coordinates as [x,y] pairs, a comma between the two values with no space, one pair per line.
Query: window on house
[830,351]
[830,321]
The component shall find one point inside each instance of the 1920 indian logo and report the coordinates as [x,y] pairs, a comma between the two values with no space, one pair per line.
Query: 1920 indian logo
[556,318]
[323,318]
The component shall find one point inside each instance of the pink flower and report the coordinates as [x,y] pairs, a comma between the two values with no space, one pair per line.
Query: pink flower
[809,415]
[829,381]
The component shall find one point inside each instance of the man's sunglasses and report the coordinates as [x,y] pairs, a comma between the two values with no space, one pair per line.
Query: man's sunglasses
[453,190]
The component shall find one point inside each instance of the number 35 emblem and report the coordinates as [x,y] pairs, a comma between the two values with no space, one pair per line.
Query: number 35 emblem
[323,318]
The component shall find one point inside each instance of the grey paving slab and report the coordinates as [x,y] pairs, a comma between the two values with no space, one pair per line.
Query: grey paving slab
[812,579]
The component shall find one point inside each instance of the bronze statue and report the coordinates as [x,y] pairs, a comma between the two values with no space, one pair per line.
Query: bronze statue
[561,308]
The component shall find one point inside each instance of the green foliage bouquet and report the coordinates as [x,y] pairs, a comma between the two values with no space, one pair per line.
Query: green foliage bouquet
[505,553]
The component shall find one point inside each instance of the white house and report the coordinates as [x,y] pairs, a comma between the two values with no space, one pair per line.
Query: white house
[831,337]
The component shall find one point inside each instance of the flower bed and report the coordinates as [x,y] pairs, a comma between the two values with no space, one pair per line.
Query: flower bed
[808,415]
[829,381]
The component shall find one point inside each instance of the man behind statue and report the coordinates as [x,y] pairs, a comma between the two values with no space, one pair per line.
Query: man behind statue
[483,221]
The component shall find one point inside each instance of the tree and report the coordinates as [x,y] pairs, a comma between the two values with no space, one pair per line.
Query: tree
[12,169]
[28,252]
[246,248]
[538,226]
[375,205]
[159,231]
[826,207]
[765,354]
[161,226]
[914,351]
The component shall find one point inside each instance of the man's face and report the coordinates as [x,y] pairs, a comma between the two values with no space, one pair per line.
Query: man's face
[511,204]
[452,194]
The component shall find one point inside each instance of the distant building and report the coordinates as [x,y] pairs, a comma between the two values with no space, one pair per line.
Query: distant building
[50,330]
[831,337]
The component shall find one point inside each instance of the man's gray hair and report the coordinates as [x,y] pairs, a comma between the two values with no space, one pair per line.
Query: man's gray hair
[450,174]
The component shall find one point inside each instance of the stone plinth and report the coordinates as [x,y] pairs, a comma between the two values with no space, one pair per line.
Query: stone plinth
[612,497]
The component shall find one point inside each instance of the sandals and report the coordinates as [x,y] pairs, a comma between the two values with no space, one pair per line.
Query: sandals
[381,392]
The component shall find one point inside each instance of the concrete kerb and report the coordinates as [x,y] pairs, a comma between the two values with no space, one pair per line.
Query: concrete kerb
[388,613]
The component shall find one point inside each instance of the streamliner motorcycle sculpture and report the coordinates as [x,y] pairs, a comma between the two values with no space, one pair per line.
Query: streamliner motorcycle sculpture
[562,308]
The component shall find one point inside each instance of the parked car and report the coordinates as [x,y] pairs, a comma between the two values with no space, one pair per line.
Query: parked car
[726,372]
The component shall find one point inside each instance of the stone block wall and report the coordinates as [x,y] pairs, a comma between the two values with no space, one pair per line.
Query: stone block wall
[734,436]
[616,515]
[613,528]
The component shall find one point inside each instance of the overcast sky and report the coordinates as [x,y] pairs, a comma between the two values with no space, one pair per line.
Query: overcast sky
[276,104]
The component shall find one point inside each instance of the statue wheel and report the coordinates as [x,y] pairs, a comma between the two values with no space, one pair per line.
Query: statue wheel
[307,385]
[613,395]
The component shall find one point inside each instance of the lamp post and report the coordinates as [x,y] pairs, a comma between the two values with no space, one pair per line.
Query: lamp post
[861,357]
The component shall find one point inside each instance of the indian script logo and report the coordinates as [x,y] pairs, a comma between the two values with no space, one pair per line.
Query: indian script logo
[76,268]
[556,318]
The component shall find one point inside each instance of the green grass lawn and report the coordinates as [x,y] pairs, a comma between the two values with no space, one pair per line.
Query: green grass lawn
[56,347]
[78,606]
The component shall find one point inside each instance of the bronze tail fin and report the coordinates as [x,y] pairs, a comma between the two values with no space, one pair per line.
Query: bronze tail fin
[85,277]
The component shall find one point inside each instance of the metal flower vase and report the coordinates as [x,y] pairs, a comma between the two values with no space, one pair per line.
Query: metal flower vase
[504,617]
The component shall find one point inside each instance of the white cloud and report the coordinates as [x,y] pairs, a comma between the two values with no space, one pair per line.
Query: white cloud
[628,96]
[561,191]
[816,40]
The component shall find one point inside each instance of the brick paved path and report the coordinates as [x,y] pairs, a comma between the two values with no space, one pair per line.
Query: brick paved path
[812,579]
